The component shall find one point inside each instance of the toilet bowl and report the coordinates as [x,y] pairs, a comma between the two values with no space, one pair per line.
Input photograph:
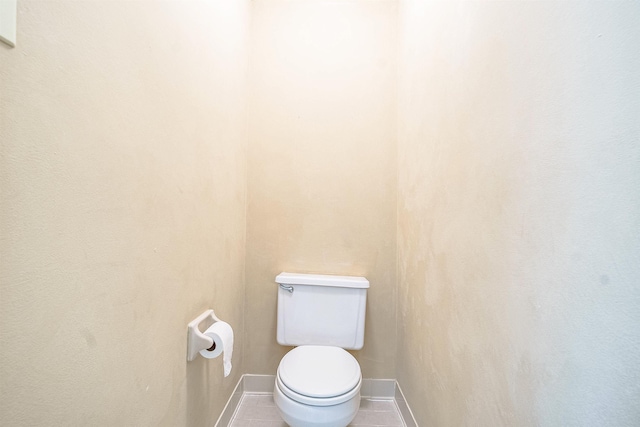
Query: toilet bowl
[318,386]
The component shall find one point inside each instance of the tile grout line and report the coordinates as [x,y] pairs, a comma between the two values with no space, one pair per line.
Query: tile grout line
[374,390]
[237,422]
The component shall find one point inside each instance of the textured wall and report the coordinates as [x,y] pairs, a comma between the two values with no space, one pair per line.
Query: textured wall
[122,198]
[322,163]
[519,211]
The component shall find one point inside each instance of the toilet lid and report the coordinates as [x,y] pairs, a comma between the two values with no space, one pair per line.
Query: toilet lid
[319,371]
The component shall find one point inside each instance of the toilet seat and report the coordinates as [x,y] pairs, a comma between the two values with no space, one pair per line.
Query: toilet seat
[319,375]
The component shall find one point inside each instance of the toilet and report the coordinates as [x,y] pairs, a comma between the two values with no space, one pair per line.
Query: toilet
[318,382]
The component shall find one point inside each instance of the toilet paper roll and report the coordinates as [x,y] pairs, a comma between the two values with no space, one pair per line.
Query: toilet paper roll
[222,335]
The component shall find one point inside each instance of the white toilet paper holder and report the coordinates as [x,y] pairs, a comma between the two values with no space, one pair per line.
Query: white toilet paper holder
[196,340]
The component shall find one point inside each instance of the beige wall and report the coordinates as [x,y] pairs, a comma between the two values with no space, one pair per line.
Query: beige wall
[123,144]
[519,211]
[322,163]
[122,198]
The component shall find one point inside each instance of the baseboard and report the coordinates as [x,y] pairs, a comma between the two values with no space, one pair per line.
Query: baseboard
[234,400]
[371,389]
[247,384]
[259,383]
[378,389]
[403,407]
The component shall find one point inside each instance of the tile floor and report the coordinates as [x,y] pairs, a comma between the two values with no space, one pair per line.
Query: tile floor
[258,410]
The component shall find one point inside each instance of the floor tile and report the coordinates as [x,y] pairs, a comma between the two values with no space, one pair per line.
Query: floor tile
[259,410]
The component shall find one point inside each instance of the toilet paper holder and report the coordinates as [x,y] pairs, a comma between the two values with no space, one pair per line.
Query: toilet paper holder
[196,340]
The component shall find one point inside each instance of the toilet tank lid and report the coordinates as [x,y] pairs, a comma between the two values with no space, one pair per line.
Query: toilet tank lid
[322,280]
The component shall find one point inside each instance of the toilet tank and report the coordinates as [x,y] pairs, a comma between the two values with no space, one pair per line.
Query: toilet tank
[317,309]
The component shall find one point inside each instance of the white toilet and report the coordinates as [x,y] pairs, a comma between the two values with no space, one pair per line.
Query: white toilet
[318,382]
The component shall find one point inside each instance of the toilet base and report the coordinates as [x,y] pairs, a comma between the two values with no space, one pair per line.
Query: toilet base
[296,414]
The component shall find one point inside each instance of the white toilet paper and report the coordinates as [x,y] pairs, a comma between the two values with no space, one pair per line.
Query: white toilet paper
[222,335]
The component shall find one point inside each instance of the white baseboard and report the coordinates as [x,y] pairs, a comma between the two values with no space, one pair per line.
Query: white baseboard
[229,409]
[403,407]
[371,389]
